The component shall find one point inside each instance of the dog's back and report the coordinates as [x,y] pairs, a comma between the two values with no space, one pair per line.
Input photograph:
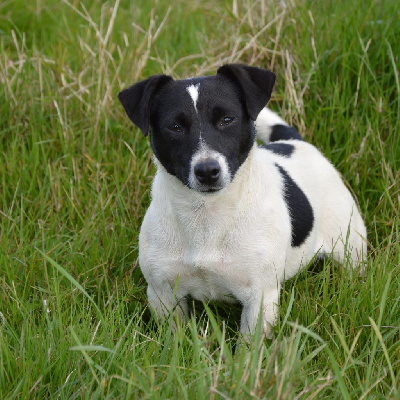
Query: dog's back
[340,225]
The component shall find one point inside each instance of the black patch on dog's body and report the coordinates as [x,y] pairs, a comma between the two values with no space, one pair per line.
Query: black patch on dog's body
[284,132]
[281,149]
[300,210]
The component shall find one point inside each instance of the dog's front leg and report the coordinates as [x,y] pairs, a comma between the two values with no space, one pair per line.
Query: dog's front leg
[265,301]
[163,301]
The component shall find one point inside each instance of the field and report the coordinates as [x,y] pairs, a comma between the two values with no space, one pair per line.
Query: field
[75,176]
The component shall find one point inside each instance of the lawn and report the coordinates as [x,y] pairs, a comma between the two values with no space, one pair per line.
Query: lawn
[75,176]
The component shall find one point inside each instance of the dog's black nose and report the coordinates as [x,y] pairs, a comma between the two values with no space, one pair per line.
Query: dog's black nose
[207,171]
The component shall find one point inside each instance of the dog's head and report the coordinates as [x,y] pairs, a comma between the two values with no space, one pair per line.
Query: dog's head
[201,128]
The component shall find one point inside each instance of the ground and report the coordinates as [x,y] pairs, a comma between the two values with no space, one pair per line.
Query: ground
[75,177]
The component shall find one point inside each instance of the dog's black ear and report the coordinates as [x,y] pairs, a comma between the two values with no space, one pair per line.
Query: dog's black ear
[256,85]
[136,100]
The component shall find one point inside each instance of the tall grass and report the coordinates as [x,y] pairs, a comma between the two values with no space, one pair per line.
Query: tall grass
[74,186]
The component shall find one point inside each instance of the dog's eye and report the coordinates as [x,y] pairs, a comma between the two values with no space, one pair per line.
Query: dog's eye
[225,121]
[175,128]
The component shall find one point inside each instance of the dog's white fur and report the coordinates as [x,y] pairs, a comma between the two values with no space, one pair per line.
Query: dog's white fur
[236,245]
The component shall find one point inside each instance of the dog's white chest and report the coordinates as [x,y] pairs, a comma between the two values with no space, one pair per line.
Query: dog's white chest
[215,249]
[203,281]
[204,259]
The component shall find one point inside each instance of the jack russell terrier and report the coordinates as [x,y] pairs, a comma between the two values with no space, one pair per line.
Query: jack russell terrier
[230,220]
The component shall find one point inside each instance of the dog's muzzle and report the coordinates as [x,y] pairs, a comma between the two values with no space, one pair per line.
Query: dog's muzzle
[209,172]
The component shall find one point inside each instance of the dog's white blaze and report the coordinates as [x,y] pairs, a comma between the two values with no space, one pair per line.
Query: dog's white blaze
[193,91]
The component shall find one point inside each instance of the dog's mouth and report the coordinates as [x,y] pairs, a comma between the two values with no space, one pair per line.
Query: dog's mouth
[208,190]
[212,190]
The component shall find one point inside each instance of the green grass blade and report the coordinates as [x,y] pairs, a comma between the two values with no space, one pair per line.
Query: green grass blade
[72,280]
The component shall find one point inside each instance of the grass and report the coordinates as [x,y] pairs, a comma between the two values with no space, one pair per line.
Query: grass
[74,186]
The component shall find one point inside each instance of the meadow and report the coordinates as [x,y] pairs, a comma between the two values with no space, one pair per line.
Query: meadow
[75,177]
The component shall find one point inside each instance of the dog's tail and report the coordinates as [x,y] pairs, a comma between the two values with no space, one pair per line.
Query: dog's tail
[270,127]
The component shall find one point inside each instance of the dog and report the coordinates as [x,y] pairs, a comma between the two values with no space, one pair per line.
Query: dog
[230,220]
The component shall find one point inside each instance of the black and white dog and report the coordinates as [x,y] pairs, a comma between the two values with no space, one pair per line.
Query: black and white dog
[228,219]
